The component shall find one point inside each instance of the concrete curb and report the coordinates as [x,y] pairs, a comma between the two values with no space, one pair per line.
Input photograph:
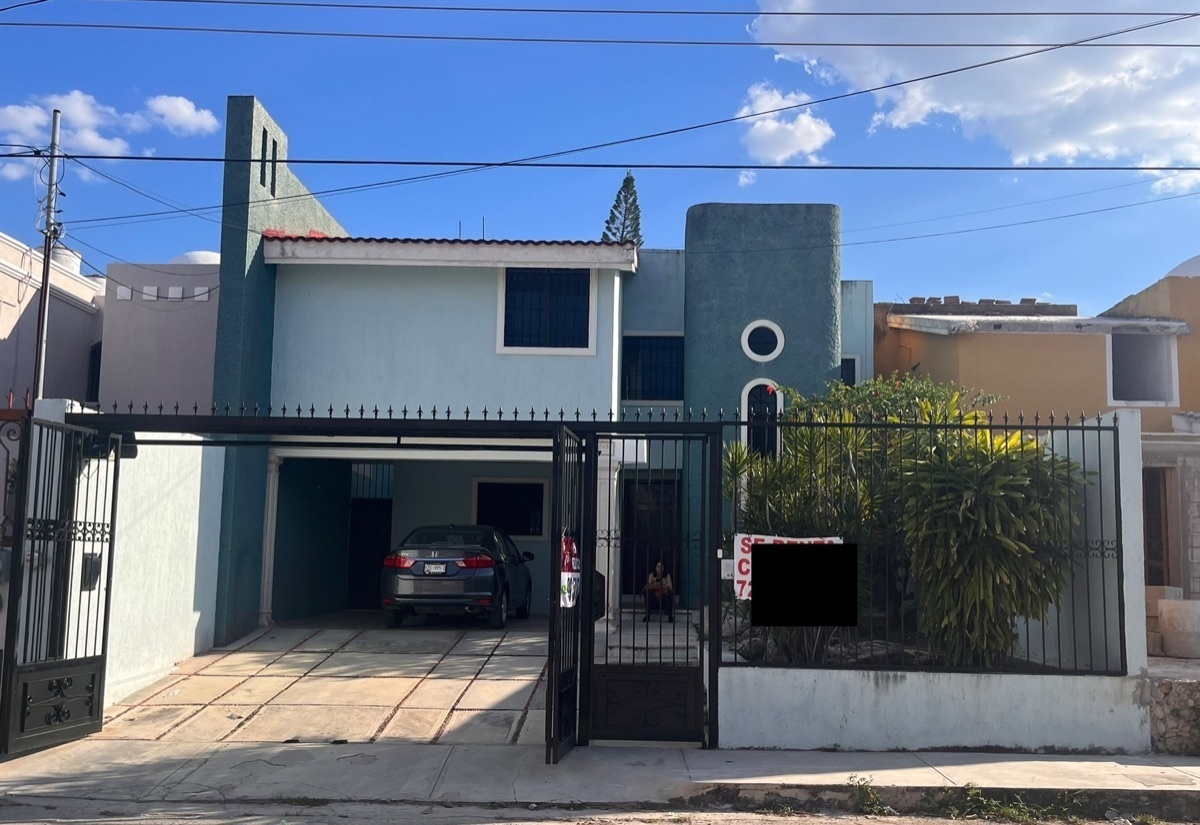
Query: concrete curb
[1093,803]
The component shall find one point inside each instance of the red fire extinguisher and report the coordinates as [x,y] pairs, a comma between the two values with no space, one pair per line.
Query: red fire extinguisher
[571,567]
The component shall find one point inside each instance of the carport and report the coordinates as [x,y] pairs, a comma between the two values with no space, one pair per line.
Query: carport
[282,560]
[341,679]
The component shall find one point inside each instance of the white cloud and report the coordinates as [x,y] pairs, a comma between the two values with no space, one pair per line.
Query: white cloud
[15,171]
[90,127]
[779,137]
[181,117]
[23,123]
[747,177]
[1121,105]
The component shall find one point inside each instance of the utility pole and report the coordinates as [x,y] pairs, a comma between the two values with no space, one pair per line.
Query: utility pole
[51,231]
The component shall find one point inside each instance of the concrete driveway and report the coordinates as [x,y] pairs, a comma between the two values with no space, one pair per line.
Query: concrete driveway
[448,682]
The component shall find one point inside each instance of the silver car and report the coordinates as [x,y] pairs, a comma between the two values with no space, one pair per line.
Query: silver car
[471,568]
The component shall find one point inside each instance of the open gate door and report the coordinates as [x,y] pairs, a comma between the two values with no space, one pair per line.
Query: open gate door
[566,562]
[59,600]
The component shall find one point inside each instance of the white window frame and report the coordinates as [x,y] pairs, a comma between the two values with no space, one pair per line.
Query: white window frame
[744,428]
[779,340]
[593,312]
[545,483]
[1174,356]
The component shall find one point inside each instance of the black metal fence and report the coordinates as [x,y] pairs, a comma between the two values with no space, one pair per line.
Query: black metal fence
[982,545]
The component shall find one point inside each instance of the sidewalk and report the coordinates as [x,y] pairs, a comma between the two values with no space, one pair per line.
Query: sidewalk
[593,776]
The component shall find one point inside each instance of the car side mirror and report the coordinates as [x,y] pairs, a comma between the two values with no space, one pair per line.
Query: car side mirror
[527,556]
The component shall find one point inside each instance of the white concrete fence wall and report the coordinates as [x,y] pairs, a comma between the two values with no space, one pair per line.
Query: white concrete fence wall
[803,708]
[164,564]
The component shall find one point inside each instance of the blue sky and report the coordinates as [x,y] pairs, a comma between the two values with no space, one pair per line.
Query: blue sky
[165,93]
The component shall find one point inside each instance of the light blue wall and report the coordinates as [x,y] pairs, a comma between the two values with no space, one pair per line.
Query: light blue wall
[393,335]
[440,492]
[652,300]
[858,325]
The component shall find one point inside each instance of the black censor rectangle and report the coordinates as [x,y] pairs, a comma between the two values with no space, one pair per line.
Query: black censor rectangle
[809,585]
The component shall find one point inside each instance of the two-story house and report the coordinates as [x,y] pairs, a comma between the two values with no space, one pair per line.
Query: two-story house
[1048,360]
[313,319]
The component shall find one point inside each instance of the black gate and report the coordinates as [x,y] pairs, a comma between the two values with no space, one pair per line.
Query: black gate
[64,498]
[655,530]
[568,481]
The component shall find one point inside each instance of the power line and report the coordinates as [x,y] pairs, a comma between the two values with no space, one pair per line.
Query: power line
[145,192]
[696,126]
[659,12]
[22,5]
[210,289]
[953,232]
[1009,206]
[566,41]
[716,167]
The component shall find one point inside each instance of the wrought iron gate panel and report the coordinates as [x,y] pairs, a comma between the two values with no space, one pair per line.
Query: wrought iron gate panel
[647,660]
[564,666]
[56,619]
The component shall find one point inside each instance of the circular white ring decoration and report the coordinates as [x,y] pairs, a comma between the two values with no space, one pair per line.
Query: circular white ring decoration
[751,327]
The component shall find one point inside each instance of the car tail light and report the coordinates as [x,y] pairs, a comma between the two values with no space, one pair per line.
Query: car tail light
[401,562]
[476,562]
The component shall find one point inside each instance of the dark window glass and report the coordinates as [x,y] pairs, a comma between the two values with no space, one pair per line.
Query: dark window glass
[515,508]
[652,368]
[546,308]
[450,536]
[762,411]
[849,371]
[762,341]
[93,381]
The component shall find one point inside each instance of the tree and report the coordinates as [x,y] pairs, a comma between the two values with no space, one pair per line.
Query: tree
[961,525]
[625,218]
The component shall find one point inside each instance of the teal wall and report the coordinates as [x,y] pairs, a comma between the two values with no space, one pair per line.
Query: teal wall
[311,549]
[652,301]
[440,492]
[746,262]
[245,321]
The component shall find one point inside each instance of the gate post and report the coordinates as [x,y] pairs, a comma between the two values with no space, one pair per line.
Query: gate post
[714,543]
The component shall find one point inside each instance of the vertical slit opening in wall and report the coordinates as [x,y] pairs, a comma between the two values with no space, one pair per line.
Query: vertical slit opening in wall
[274,161]
[262,157]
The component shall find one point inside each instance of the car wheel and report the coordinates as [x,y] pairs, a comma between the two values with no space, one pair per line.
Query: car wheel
[499,617]
[524,610]
[393,618]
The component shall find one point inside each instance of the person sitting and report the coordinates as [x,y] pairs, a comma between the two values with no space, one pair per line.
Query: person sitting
[660,593]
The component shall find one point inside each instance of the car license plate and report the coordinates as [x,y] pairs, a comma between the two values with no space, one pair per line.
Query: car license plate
[435,568]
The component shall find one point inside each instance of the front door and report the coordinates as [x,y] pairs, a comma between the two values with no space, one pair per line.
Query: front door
[370,541]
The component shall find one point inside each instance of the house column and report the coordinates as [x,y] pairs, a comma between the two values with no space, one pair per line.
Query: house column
[608,521]
[270,510]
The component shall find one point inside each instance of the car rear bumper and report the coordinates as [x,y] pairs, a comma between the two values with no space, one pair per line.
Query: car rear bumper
[437,595]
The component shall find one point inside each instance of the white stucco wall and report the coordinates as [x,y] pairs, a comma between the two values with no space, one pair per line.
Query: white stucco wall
[804,709]
[411,335]
[800,708]
[164,563]
[858,325]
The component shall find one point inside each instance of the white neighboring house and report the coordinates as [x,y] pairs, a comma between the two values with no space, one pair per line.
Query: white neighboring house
[74,332]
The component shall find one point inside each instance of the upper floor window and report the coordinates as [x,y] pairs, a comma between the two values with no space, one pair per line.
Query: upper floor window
[652,368]
[548,309]
[1143,370]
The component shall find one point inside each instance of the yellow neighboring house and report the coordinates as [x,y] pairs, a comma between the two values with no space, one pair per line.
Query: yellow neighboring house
[1047,359]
